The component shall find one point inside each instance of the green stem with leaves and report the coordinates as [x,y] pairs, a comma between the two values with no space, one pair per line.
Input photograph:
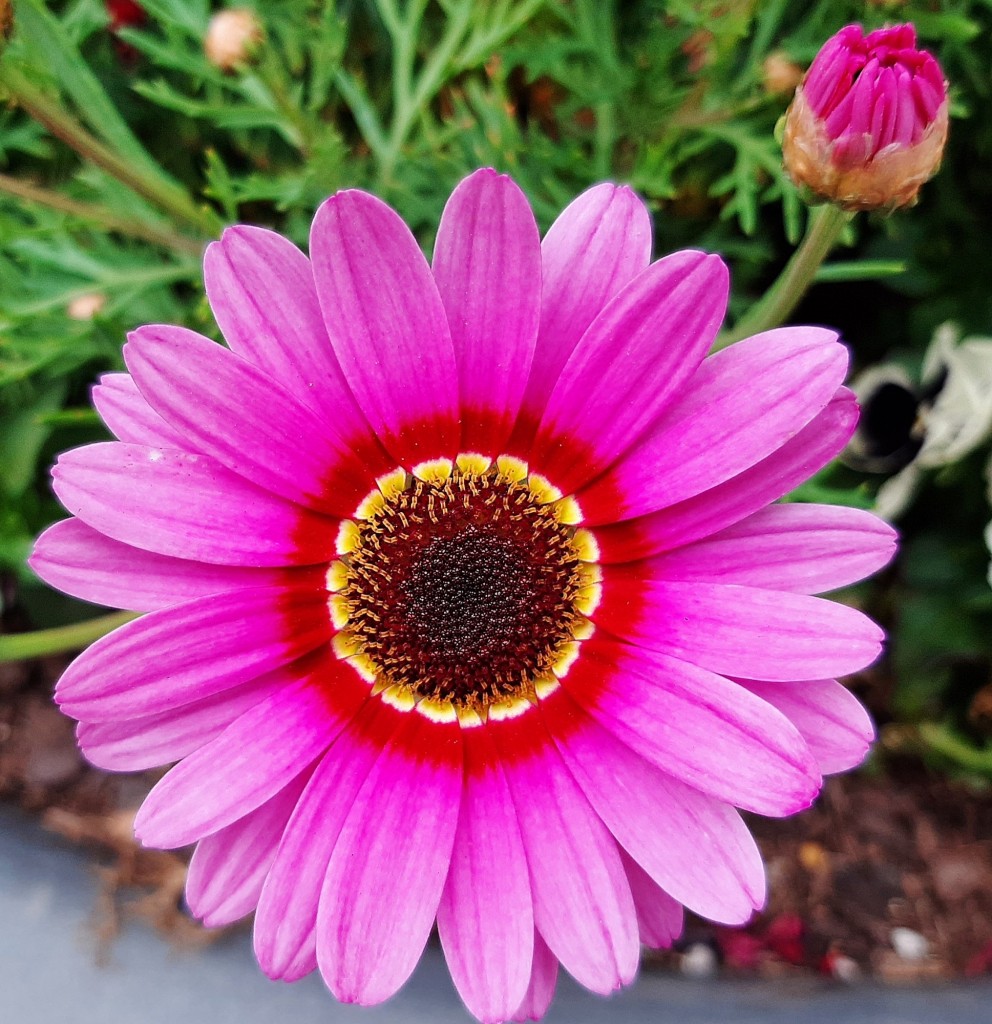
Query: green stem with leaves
[825,226]
[101,216]
[412,94]
[167,196]
[61,639]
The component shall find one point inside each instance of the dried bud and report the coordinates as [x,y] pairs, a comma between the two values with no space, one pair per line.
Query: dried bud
[232,37]
[779,75]
[124,14]
[6,20]
[868,124]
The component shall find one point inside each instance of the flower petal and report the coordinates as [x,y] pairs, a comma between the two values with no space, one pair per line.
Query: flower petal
[129,416]
[543,979]
[486,915]
[216,398]
[168,658]
[177,503]
[80,561]
[262,293]
[830,718]
[387,871]
[742,405]
[694,846]
[387,325]
[727,503]
[633,358]
[600,242]
[286,920]
[701,728]
[806,549]
[742,631]
[228,868]
[256,756]
[135,744]
[487,265]
[582,902]
[660,918]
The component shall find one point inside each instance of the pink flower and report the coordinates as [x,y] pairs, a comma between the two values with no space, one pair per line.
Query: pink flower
[466,597]
[868,124]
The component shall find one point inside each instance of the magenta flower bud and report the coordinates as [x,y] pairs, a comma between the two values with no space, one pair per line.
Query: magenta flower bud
[868,123]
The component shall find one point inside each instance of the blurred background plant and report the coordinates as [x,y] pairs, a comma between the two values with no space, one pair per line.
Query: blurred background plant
[132,132]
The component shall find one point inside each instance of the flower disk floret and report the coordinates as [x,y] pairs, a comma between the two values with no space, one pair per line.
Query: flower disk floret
[518,459]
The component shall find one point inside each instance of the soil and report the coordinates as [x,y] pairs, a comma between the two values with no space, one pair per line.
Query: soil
[888,876]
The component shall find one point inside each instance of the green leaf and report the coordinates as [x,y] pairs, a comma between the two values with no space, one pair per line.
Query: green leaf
[22,433]
[82,86]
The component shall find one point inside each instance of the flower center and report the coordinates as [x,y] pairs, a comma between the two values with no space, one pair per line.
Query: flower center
[464,586]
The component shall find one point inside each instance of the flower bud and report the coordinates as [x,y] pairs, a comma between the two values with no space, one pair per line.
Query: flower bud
[85,307]
[232,37]
[779,75]
[868,123]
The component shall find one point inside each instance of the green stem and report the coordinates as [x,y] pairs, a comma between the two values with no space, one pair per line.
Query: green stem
[939,738]
[101,215]
[42,642]
[413,96]
[61,124]
[776,305]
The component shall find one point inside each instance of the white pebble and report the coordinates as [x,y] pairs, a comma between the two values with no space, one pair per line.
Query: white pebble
[699,961]
[909,945]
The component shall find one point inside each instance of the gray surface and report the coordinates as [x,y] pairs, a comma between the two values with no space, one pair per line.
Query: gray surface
[49,974]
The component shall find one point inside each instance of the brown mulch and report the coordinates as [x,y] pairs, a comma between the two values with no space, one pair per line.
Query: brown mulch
[889,875]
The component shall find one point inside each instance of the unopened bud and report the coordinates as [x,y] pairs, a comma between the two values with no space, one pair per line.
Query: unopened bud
[868,124]
[85,307]
[232,37]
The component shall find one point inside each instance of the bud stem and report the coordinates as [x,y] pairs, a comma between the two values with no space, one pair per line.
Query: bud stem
[774,307]
[61,639]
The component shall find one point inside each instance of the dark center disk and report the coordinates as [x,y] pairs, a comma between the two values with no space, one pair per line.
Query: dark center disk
[463,591]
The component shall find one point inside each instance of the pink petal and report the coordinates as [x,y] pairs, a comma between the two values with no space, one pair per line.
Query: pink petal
[172,657]
[600,242]
[228,868]
[582,902]
[136,744]
[76,559]
[728,503]
[633,358]
[543,979]
[286,920]
[189,506]
[697,726]
[129,416]
[256,756]
[695,847]
[830,718]
[262,293]
[387,324]
[743,631]
[659,917]
[742,405]
[806,549]
[387,871]
[241,417]
[487,265]
[486,916]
